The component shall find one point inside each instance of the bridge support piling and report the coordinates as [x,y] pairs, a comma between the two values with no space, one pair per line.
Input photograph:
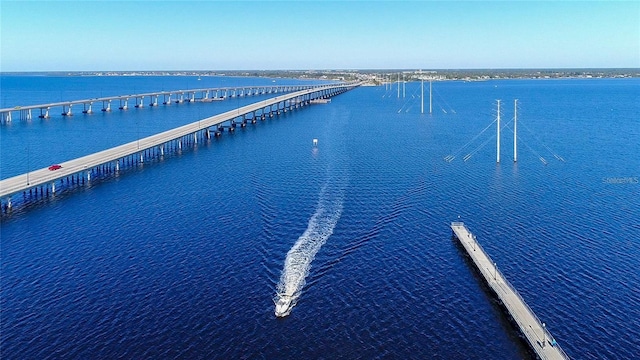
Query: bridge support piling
[66,112]
[46,113]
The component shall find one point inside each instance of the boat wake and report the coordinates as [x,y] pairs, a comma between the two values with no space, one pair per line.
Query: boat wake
[299,258]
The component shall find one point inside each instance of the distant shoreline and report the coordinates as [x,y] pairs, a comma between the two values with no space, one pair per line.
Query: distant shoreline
[375,76]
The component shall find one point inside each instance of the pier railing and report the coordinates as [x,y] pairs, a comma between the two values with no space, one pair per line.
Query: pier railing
[547,334]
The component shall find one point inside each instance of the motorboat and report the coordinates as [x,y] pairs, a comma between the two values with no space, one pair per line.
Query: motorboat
[284,303]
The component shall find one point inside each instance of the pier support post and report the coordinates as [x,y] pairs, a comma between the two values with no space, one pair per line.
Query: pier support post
[89,175]
[53,187]
[117,165]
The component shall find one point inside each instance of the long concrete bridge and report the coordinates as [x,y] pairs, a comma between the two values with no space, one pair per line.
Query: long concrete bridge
[45,182]
[44,111]
[535,332]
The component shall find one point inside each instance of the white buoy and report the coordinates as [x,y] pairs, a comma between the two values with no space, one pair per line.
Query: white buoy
[315,142]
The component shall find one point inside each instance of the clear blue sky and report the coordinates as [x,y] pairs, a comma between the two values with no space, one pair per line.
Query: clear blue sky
[225,35]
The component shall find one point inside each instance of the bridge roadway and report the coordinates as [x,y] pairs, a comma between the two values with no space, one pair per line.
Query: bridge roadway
[82,165]
[538,337]
[206,94]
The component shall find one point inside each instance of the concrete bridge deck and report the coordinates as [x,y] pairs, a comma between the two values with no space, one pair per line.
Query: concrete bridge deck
[82,165]
[154,99]
[534,331]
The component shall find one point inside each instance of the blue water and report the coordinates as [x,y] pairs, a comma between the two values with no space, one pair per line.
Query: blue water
[181,258]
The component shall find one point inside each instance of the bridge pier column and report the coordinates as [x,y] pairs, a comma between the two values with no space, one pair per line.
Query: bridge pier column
[89,175]
[126,104]
[195,138]
[66,112]
[179,144]
[29,114]
[161,150]
[193,97]
[89,110]
[45,115]
[141,104]
[53,187]
[117,165]
[142,157]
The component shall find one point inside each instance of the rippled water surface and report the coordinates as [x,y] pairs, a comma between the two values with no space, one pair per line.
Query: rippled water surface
[181,258]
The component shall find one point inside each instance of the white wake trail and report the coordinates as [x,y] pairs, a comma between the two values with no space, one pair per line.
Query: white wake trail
[299,258]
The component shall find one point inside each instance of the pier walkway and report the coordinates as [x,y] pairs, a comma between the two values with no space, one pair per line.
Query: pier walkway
[534,331]
[78,170]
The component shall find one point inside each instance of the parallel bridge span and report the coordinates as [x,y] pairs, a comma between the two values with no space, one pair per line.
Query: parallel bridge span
[135,152]
[138,100]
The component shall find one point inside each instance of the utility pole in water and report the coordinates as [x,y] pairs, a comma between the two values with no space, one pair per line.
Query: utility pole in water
[498,136]
[515,130]
[422,93]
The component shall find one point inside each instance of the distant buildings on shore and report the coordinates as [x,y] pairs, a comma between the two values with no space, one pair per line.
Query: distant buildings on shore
[376,77]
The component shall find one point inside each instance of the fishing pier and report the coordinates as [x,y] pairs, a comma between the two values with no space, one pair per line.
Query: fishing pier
[45,182]
[533,330]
